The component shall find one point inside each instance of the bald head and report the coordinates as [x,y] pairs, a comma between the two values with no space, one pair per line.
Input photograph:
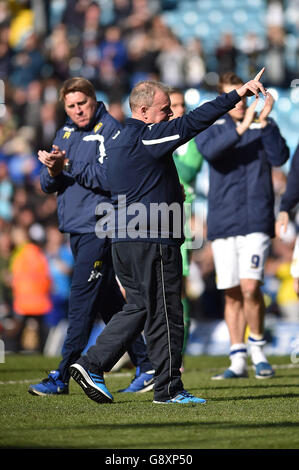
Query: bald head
[149,102]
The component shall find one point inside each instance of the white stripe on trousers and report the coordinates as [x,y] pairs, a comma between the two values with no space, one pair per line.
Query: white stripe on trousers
[167,322]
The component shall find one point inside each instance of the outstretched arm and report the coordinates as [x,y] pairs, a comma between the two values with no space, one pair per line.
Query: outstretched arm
[161,139]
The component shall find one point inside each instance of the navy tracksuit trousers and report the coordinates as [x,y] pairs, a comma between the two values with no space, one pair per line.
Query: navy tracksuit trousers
[94,293]
[151,274]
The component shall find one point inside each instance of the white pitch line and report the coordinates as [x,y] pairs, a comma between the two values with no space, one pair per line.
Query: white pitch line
[128,374]
[32,381]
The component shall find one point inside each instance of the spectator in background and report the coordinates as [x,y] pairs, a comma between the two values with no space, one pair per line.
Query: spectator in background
[74,16]
[121,10]
[6,53]
[142,56]
[226,54]
[21,162]
[171,61]
[5,281]
[116,109]
[33,104]
[60,260]
[281,265]
[195,68]
[140,14]
[113,59]
[6,193]
[251,47]
[47,126]
[90,38]
[59,52]
[31,284]
[27,63]
[289,200]
[274,57]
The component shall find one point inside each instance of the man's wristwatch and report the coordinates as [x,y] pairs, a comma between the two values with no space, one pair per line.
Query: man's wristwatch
[67,166]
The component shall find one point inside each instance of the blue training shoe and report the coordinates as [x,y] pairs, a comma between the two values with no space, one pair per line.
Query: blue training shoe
[92,384]
[263,370]
[142,382]
[229,374]
[52,385]
[183,398]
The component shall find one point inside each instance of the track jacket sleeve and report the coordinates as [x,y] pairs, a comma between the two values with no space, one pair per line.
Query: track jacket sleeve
[274,144]
[212,148]
[53,185]
[291,196]
[163,138]
[91,176]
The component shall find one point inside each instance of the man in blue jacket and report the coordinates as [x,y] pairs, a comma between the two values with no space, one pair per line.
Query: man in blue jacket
[241,152]
[141,176]
[94,287]
[289,200]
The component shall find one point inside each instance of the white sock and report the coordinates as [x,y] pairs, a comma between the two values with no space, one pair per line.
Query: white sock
[257,350]
[238,357]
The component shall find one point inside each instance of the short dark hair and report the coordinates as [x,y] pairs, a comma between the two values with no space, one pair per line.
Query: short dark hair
[175,90]
[77,84]
[228,78]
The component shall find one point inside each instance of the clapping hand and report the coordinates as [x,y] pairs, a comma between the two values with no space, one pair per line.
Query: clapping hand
[54,160]
[269,102]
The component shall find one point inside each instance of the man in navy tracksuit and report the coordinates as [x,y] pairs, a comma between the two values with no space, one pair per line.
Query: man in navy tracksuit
[241,151]
[141,174]
[289,200]
[94,288]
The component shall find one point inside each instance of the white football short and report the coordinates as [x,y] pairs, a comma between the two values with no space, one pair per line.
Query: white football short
[240,257]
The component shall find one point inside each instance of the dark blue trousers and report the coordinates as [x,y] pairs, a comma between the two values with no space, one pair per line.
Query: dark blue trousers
[94,293]
[151,273]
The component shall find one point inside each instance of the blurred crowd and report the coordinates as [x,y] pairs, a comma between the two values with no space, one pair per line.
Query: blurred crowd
[42,43]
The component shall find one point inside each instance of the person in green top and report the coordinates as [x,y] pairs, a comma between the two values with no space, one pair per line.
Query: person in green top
[188,161]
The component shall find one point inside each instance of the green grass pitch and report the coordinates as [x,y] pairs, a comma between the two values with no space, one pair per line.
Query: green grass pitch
[239,414]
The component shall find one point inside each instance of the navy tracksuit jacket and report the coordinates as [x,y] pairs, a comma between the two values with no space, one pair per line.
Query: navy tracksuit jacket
[140,167]
[291,195]
[94,288]
[241,198]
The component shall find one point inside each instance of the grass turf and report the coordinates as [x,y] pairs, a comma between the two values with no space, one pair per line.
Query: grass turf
[239,414]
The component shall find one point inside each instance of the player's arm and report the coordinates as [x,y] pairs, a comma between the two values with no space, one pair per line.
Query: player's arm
[89,175]
[214,142]
[274,144]
[290,197]
[164,138]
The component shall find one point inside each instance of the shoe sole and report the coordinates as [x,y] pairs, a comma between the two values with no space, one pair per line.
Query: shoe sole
[179,403]
[143,390]
[217,377]
[41,394]
[36,393]
[264,376]
[80,375]
[146,389]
